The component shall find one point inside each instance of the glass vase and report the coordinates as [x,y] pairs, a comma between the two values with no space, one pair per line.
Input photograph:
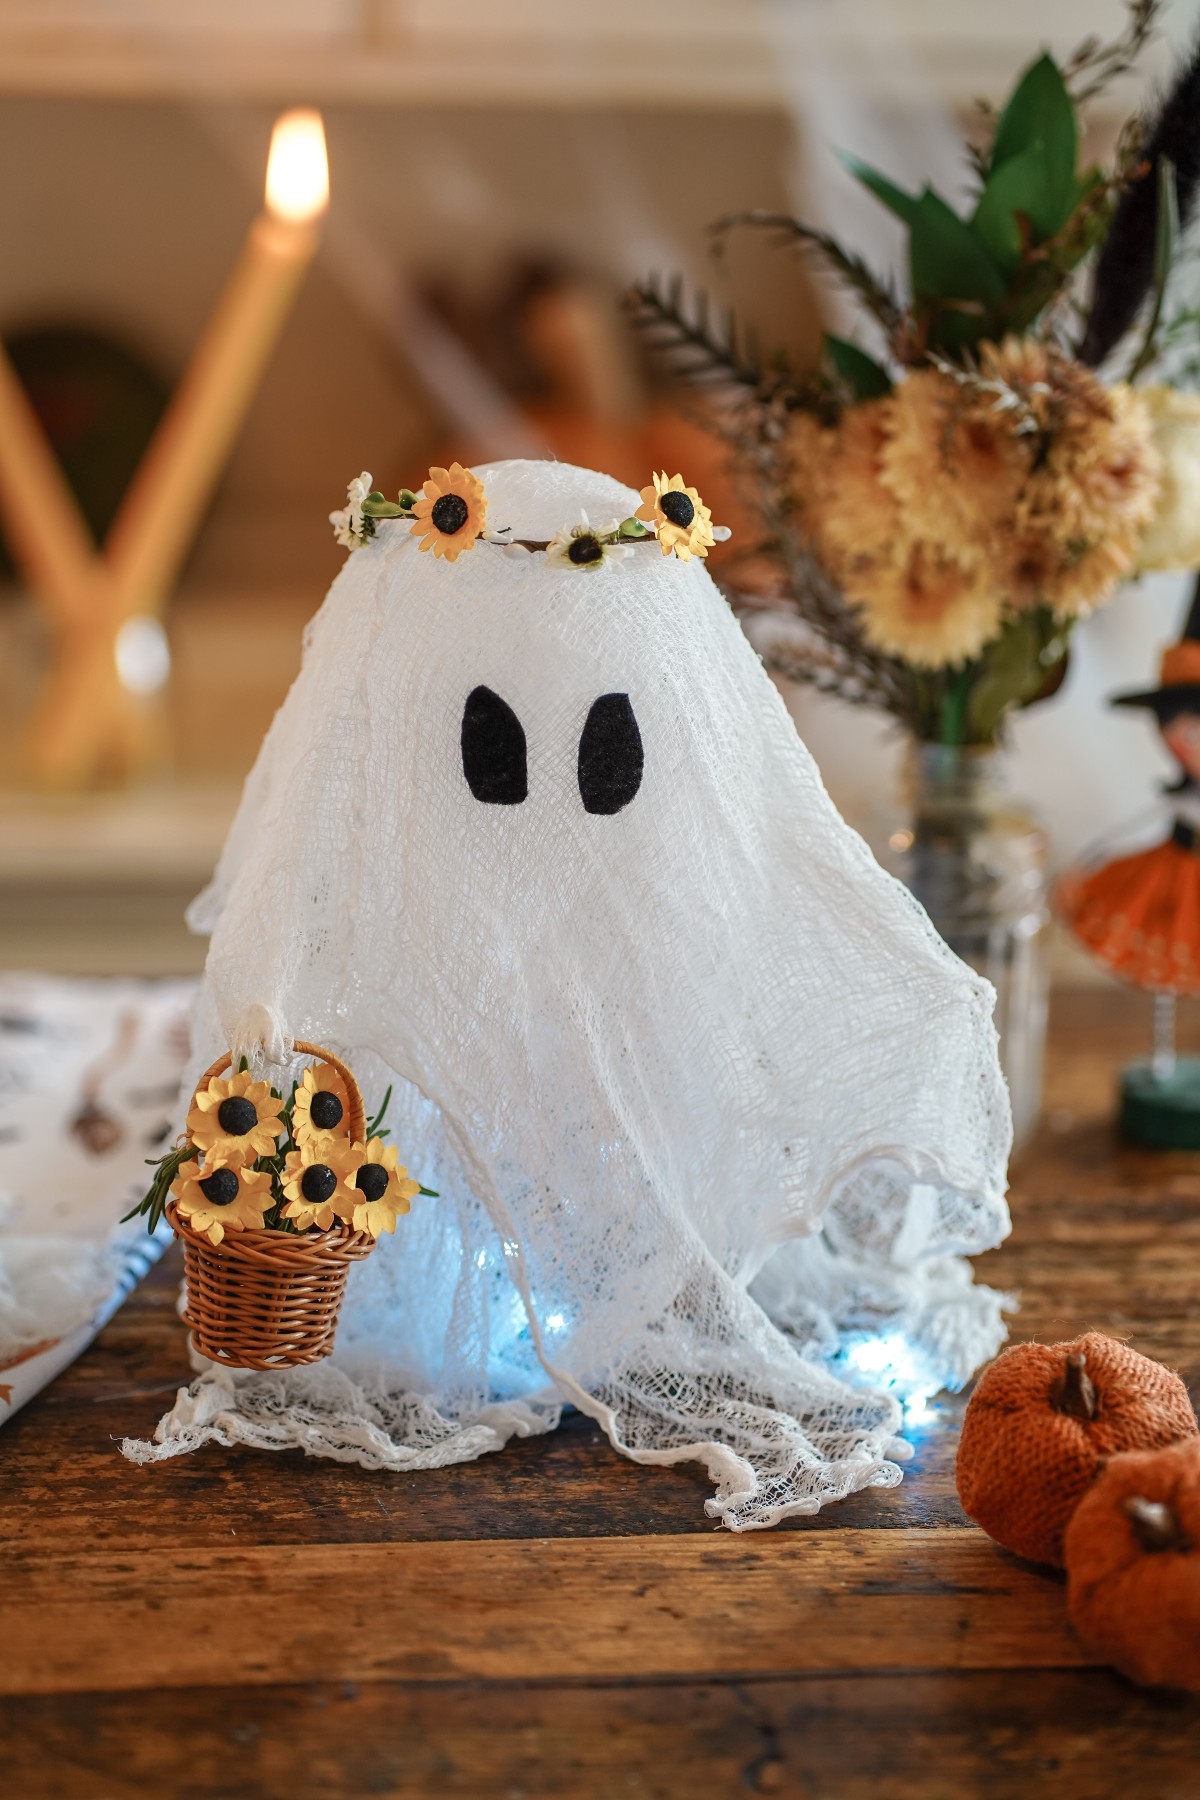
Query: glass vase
[976,860]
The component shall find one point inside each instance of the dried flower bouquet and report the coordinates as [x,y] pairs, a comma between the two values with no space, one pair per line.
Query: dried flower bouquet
[940,513]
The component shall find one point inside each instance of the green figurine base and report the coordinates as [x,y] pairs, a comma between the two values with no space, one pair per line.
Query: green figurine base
[1161,1113]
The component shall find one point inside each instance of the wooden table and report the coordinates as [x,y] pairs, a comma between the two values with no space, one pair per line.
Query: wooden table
[555,1621]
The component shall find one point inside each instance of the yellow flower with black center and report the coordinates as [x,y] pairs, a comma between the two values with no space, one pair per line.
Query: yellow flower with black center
[383,1189]
[680,518]
[235,1120]
[215,1199]
[450,512]
[321,1108]
[318,1182]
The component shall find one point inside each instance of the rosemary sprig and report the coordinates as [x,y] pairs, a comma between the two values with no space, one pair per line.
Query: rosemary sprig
[376,1126]
[166,1168]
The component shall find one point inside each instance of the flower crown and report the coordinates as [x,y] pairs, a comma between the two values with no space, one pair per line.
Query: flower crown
[449,516]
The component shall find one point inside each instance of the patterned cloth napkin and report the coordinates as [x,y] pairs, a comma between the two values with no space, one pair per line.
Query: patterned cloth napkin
[89,1089]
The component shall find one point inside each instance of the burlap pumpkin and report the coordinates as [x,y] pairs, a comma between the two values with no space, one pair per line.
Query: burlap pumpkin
[1133,1565]
[1040,1422]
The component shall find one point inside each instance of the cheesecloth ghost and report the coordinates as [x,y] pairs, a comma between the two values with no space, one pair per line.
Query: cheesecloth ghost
[705,1097]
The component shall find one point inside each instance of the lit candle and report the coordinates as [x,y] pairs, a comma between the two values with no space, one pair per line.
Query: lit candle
[150,537]
[109,649]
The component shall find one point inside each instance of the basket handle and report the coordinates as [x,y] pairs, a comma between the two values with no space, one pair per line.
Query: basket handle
[358,1116]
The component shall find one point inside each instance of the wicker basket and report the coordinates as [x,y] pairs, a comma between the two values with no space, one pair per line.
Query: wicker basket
[270,1299]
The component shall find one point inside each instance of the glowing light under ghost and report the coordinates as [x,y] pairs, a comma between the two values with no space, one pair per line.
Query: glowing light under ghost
[899,1367]
[696,1082]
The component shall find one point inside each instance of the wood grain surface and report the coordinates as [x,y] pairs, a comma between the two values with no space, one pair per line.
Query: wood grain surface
[553,1620]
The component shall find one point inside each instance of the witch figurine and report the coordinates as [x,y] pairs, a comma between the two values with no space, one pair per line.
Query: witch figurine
[1140,914]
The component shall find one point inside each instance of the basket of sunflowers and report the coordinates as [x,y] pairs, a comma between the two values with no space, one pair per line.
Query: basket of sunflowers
[272,1200]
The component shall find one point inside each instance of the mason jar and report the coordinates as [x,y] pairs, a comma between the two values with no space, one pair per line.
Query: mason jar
[976,859]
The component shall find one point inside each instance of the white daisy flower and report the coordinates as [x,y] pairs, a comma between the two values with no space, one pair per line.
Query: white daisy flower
[350,527]
[585,546]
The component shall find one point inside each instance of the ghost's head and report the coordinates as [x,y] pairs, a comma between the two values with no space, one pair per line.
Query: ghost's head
[554,703]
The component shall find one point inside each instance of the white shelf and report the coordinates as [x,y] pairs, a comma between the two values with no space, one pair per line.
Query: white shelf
[420,53]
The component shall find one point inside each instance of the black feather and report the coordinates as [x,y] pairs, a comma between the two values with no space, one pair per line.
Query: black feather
[1125,267]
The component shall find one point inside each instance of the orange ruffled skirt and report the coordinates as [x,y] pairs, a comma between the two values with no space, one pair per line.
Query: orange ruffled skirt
[1140,915]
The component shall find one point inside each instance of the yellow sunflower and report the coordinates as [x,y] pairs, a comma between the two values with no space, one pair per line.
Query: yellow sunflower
[321,1110]
[318,1180]
[679,516]
[235,1120]
[215,1199]
[451,511]
[383,1189]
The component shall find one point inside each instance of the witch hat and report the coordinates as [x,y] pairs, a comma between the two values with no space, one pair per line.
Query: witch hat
[1179,677]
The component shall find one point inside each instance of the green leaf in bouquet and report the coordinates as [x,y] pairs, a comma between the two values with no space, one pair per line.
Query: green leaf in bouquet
[865,378]
[894,198]
[948,261]
[1018,188]
[1040,116]
[1016,667]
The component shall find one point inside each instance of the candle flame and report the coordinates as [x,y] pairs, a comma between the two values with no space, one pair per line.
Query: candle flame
[297,166]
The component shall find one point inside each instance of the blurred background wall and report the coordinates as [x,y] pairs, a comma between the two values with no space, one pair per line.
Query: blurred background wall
[499,174]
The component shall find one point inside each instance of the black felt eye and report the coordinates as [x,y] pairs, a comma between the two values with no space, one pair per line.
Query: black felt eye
[611,757]
[493,750]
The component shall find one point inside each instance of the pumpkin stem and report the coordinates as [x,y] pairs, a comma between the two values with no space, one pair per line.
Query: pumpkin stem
[1075,1392]
[1154,1525]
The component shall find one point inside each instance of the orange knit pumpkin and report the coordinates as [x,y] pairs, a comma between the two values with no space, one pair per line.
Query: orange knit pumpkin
[1133,1565]
[1040,1422]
